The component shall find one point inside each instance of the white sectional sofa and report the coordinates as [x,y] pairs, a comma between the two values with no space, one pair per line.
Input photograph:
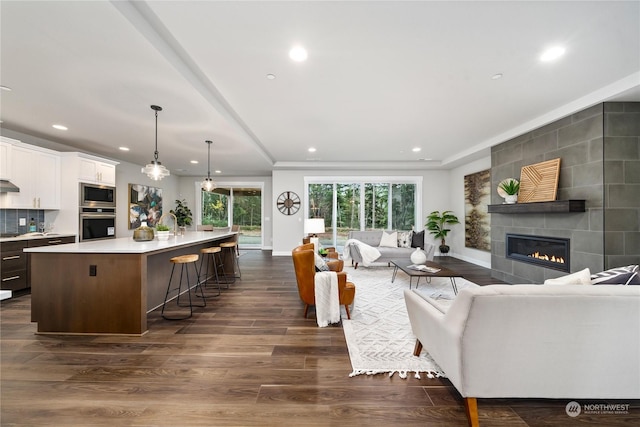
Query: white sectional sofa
[533,341]
[373,237]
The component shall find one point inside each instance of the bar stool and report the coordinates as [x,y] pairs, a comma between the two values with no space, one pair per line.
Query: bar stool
[183,260]
[231,250]
[209,254]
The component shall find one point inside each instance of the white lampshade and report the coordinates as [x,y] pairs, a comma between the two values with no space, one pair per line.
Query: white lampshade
[314,225]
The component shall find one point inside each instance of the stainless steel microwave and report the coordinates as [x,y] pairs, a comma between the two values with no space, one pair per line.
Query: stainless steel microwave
[94,195]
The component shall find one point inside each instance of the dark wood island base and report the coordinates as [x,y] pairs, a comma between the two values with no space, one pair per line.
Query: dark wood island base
[130,281]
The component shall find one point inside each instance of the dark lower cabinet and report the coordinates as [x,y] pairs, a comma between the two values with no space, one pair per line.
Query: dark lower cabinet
[14,266]
[15,263]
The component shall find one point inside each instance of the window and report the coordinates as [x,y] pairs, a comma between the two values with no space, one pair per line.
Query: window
[361,203]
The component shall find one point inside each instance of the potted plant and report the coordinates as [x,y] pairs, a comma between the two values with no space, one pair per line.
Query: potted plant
[323,252]
[183,215]
[510,188]
[436,224]
[162,231]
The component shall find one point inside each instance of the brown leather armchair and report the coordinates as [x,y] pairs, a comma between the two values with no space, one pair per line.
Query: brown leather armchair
[305,268]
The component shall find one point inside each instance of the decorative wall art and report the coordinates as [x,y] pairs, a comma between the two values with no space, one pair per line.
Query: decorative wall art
[145,204]
[539,182]
[477,197]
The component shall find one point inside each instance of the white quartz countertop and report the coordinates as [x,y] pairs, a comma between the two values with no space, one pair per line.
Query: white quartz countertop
[126,245]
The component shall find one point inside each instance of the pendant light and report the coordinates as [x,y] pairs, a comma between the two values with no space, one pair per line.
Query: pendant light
[208,185]
[154,169]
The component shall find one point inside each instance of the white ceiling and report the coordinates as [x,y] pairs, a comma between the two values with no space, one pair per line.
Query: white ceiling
[381,77]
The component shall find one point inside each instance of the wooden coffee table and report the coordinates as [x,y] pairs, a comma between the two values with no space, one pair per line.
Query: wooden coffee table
[441,272]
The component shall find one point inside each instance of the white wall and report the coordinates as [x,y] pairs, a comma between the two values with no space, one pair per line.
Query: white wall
[456,238]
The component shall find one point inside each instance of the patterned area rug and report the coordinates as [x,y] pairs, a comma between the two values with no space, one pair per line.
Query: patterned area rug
[379,334]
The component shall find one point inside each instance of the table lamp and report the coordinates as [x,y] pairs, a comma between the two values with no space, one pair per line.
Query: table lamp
[313,226]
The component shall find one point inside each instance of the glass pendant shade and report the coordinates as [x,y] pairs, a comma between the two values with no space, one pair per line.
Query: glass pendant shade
[154,169]
[207,184]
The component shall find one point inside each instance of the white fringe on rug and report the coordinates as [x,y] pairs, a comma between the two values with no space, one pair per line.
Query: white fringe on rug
[379,336]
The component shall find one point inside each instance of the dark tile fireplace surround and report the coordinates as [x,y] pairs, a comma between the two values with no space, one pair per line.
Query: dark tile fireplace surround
[599,150]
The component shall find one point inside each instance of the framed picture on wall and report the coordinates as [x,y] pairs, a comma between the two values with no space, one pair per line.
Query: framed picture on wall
[145,204]
[477,197]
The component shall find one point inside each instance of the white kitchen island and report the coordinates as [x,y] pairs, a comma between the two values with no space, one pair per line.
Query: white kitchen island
[130,280]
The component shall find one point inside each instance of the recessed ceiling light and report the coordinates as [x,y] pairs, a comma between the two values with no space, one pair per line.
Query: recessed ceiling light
[7,88]
[312,150]
[218,171]
[496,76]
[298,54]
[123,148]
[552,53]
[195,162]
[59,127]
[271,76]
[416,149]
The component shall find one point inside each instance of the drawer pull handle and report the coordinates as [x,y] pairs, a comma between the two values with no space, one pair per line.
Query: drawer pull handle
[11,257]
[53,242]
[10,278]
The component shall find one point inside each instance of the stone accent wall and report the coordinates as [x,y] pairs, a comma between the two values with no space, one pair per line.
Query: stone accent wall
[622,183]
[599,149]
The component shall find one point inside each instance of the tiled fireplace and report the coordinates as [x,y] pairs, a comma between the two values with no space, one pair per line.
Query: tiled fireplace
[599,149]
[544,251]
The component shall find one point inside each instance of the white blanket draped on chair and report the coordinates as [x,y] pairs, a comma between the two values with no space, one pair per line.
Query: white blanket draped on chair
[327,299]
[368,253]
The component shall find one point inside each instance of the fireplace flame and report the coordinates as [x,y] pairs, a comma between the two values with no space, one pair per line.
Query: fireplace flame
[552,258]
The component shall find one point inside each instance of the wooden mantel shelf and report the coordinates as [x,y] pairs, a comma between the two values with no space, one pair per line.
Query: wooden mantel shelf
[557,206]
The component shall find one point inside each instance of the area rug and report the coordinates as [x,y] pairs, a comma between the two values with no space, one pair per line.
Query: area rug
[379,334]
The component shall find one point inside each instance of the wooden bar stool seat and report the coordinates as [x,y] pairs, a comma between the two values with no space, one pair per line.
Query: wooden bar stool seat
[183,261]
[232,248]
[212,256]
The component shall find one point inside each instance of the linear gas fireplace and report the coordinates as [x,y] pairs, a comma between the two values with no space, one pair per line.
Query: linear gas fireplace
[550,252]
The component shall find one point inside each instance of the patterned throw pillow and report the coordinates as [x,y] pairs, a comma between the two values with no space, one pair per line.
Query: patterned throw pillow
[417,240]
[321,264]
[628,275]
[404,239]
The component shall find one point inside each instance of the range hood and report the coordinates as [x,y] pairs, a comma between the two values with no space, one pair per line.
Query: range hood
[7,187]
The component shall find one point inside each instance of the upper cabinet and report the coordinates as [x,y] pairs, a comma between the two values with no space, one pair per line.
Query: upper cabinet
[5,156]
[97,171]
[36,171]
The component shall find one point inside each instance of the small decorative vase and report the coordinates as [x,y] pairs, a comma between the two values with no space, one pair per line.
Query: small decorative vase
[510,199]
[143,233]
[418,256]
[182,229]
[163,235]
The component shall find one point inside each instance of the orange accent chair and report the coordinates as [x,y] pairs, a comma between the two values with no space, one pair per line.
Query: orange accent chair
[305,268]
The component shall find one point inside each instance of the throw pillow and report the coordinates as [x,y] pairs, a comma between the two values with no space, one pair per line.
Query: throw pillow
[628,275]
[321,264]
[582,277]
[389,240]
[417,240]
[404,239]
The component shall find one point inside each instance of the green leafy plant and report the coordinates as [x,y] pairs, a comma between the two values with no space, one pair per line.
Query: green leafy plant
[183,213]
[510,186]
[162,227]
[436,224]
[323,251]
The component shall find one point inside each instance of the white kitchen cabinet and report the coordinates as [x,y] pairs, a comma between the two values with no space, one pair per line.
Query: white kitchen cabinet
[5,159]
[36,171]
[96,171]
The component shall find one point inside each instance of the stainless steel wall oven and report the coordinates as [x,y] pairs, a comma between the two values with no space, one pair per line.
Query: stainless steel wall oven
[97,223]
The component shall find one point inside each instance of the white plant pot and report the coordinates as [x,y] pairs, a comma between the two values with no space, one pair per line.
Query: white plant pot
[163,235]
[510,199]
[418,256]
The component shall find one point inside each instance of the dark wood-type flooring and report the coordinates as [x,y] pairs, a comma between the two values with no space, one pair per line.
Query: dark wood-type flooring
[247,359]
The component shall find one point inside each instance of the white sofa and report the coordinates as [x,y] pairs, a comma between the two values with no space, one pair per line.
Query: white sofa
[533,341]
[372,238]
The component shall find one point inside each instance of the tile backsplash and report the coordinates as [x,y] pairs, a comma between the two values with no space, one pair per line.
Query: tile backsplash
[9,219]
